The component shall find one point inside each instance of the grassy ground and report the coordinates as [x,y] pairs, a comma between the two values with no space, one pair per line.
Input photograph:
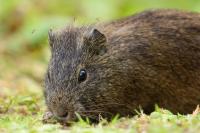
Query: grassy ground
[22,112]
[24,56]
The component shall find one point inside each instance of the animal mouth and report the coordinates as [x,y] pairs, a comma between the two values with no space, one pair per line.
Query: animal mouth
[72,117]
[66,119]
[69,118]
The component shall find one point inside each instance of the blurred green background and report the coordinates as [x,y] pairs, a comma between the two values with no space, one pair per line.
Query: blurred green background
[24,51]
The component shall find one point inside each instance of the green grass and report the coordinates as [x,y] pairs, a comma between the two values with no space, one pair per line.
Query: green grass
[23,113]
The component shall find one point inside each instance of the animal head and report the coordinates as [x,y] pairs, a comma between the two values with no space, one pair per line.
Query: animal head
[80,75]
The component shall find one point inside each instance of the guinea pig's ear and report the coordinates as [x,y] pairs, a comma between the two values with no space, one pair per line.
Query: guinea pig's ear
[51,38]
[97,41]
[96,37]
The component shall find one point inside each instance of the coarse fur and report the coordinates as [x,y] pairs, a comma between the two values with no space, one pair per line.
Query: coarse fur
[150,58]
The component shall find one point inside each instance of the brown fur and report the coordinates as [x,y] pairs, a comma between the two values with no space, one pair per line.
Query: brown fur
[150,58]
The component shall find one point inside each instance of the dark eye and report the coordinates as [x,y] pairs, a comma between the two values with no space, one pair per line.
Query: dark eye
[82,75]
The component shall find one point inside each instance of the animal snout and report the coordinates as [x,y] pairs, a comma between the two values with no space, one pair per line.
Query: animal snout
[61,107]
[65,116]
[62,113]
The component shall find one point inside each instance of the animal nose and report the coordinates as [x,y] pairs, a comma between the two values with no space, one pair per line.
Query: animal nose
[62,114]
[66,118]
[62,117]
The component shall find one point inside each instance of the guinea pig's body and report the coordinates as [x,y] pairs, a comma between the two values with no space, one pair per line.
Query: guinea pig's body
[113,68]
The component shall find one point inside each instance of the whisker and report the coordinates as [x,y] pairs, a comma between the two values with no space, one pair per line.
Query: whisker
[90,116]
[96,111]
[100,105]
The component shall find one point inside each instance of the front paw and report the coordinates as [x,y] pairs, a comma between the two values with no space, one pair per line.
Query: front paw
[49,118]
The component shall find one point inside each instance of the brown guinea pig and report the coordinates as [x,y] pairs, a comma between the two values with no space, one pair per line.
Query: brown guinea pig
[113,68]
